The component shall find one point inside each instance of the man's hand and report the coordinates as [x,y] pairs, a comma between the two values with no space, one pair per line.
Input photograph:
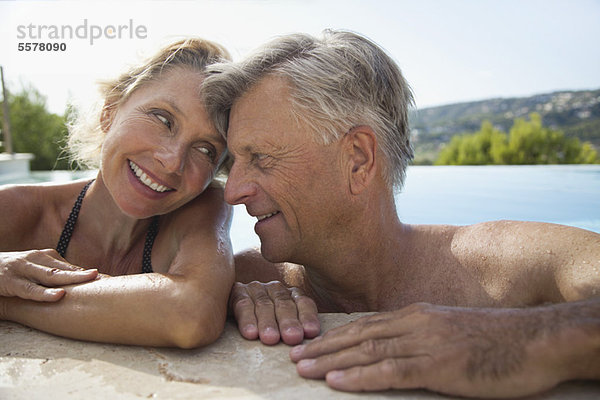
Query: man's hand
[271,311]
[457,351]
[36,275]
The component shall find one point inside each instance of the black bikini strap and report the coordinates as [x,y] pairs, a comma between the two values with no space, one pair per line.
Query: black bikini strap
[65,236]
[67,232]
[150,236]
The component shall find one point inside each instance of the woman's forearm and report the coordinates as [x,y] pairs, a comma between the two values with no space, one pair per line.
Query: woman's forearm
[150,309]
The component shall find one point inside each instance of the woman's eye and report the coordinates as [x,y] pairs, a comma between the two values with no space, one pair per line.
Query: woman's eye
[206,150]
[164,120]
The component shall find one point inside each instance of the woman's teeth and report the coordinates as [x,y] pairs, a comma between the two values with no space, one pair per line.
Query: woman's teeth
[146,180]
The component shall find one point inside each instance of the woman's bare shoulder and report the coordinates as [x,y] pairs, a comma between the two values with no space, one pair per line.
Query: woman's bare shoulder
[209,207]
[26,209]
[206,216]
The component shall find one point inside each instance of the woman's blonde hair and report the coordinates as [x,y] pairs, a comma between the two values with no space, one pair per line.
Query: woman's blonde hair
[86,134]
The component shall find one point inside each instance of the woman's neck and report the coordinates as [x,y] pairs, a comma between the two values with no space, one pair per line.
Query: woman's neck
[105,235]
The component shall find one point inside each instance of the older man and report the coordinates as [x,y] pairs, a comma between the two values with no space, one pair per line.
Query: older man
[318,132]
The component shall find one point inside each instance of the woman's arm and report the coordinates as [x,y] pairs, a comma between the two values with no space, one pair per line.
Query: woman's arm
[26,273]
[185,307]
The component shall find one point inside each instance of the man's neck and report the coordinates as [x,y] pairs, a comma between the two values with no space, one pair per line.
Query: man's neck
[361,272]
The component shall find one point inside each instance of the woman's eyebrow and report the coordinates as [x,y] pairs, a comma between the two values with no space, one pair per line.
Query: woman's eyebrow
[171,102]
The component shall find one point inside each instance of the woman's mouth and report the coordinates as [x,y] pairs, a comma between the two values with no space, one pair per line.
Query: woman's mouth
[146,180]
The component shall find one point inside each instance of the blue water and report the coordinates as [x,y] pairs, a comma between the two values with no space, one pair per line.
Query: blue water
[461,195]
[464,195]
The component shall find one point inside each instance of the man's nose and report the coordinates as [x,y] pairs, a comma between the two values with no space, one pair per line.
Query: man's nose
[238,187]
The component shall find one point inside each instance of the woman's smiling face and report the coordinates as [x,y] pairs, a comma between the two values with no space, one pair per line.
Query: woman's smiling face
[161,149]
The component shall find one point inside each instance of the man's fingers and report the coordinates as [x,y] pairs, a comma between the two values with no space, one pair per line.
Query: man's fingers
[387,374]
[264,309]
[286,312]
[378,326]
[243,310]
[366,353]
[307,313]
[272,312]
[327,344]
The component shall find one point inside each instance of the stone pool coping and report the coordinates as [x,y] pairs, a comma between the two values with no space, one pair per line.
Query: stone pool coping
[35,365]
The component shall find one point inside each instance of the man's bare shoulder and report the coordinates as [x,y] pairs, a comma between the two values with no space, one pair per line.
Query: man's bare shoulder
[543,260]
[524,237]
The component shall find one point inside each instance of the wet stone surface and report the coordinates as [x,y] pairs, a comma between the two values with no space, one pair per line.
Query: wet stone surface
[35,365]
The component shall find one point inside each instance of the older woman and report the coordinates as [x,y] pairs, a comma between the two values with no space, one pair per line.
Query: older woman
[141,254]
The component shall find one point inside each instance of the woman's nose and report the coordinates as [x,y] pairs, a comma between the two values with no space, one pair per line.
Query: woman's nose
[172,158]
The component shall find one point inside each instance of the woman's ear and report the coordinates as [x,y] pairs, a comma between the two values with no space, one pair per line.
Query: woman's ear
[362,150]
[107,116]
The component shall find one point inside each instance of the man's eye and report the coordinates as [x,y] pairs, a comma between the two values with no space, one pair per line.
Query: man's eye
[262,160]
[258,157]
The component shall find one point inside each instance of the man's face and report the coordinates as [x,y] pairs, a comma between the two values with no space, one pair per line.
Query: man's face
[293,185]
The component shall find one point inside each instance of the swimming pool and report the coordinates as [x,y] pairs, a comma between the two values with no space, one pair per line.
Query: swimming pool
[564,194]
[461,195]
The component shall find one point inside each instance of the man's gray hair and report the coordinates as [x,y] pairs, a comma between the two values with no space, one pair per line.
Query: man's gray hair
[338,82]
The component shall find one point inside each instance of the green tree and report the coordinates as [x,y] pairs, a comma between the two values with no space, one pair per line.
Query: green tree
[36,130]
[528,142]
[488,146]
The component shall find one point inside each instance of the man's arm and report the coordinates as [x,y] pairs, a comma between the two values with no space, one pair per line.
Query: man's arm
[251,266]
[483,352]
[469,352]
[269,303]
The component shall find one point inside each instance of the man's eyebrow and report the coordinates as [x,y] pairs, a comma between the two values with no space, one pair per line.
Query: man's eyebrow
[247,149]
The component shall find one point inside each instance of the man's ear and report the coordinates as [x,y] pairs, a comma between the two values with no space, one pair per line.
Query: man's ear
[362,150]
[107,116]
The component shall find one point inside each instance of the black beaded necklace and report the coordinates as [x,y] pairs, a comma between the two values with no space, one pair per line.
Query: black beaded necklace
[65,236]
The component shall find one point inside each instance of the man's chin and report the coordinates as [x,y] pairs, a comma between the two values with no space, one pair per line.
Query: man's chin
[273,253]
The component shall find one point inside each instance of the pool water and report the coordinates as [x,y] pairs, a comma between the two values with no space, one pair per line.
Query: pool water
[460,195]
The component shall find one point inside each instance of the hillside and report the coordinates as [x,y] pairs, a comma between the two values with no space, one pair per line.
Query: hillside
[576,113]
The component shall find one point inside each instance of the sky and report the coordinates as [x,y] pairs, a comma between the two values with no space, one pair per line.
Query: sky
[449,51]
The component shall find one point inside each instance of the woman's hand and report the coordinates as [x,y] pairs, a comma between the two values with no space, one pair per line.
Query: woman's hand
[37,275]
[270,311]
